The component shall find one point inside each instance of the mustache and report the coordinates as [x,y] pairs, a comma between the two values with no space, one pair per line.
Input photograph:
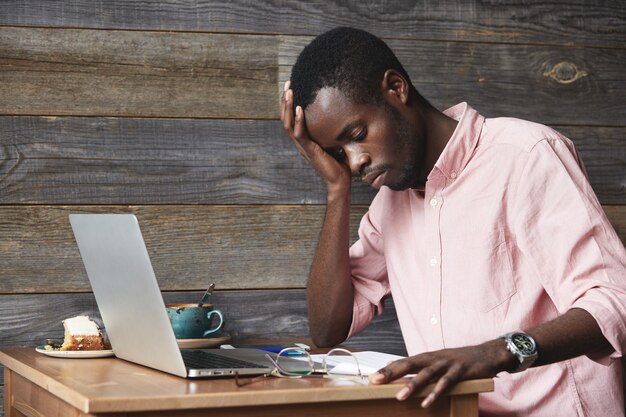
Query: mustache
[368,170]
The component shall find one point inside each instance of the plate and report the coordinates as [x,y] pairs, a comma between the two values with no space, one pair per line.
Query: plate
[205,342]
[75,354]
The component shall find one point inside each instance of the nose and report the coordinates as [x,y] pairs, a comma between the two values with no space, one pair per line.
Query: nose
[357,160]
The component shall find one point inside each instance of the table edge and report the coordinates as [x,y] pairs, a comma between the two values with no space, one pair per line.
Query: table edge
[241,397]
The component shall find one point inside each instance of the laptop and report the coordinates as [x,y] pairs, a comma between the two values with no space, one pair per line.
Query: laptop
[132,307]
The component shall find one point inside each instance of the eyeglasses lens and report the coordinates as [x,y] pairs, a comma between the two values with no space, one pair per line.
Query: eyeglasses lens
[294,361]
[340,362]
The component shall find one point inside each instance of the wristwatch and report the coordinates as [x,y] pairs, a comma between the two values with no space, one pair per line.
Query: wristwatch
[523,347]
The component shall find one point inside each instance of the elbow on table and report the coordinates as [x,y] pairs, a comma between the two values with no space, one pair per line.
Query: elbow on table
[326,339]
[329,326]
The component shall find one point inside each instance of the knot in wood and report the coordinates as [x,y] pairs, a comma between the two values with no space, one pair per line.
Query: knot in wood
[565,73]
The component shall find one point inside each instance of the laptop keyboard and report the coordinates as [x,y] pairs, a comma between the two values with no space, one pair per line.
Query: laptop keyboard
[198,359]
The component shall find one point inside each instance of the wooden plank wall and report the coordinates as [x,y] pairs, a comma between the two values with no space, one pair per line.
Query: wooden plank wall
[169,109]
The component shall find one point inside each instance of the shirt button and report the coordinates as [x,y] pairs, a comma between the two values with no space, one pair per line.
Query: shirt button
[453,175]
[433,262]
[433,320]
[433,202]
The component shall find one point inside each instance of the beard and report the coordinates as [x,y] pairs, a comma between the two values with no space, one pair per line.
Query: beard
[406,143]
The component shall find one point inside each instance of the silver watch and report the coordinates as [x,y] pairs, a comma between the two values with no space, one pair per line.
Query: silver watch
[523,347]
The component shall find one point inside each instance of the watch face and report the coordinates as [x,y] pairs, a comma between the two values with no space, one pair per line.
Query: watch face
[523,343]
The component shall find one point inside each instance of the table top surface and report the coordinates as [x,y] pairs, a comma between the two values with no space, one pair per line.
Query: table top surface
[112,384]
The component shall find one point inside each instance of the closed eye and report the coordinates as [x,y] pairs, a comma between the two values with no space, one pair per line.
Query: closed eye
[360,135]
[338,153]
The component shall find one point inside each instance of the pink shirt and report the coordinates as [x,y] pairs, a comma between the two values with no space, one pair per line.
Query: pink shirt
[507,234]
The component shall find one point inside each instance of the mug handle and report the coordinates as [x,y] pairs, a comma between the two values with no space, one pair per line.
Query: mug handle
[219,326]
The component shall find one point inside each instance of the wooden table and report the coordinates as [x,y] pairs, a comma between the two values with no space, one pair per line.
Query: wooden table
[38,385]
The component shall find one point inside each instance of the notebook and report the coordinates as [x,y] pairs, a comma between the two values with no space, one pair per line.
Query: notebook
[132,307]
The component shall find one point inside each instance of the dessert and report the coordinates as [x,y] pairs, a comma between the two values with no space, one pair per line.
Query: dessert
[82,333]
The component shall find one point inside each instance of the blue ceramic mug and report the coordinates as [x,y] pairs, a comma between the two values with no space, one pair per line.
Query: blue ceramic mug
[192,322]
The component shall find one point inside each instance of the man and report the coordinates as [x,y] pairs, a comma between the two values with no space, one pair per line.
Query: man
[485,232]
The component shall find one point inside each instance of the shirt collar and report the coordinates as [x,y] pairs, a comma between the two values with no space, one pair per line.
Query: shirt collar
[463,141]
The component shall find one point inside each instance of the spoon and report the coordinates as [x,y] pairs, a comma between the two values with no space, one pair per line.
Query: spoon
[207,294]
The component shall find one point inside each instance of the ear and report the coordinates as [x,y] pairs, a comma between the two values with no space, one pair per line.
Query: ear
[395,87]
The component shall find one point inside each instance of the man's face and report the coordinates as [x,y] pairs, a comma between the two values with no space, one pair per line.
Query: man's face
[377,142]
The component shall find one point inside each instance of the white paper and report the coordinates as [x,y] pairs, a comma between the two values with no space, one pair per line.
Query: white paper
[369,362]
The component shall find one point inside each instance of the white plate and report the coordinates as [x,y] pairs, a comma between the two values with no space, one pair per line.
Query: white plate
[75,354]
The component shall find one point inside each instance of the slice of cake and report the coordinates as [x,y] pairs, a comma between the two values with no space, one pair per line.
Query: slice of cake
[82,333]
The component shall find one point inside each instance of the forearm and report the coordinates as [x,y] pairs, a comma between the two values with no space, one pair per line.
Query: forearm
[329,289]
[573,334]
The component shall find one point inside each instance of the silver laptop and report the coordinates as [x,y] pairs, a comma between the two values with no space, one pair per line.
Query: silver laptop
[132,307]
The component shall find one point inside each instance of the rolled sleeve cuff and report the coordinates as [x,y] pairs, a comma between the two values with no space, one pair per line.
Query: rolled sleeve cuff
[362,314]
[610,323]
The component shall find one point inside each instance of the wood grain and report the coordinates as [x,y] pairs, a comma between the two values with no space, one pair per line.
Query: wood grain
[164,74]
[337,409]
[464,405]
[79,160]
[617,217]
[591,23]
[89,72]
[28,320]
[130,387]
[549,84]
[157,80]
[84,160]
[138,394]
[239,247]
[30,400]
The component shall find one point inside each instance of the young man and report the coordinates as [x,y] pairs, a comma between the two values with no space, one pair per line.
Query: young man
[485,232]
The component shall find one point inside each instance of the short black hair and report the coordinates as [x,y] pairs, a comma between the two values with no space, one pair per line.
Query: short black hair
[351,60]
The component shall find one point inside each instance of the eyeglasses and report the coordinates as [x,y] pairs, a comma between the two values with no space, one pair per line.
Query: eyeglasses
[294,362]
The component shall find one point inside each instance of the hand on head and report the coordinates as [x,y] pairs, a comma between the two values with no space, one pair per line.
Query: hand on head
[334,173]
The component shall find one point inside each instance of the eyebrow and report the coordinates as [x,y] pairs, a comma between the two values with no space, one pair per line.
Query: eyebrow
[347,128]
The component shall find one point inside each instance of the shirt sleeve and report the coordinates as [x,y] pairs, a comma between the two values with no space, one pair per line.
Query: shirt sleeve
[369,273]
[561,227]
